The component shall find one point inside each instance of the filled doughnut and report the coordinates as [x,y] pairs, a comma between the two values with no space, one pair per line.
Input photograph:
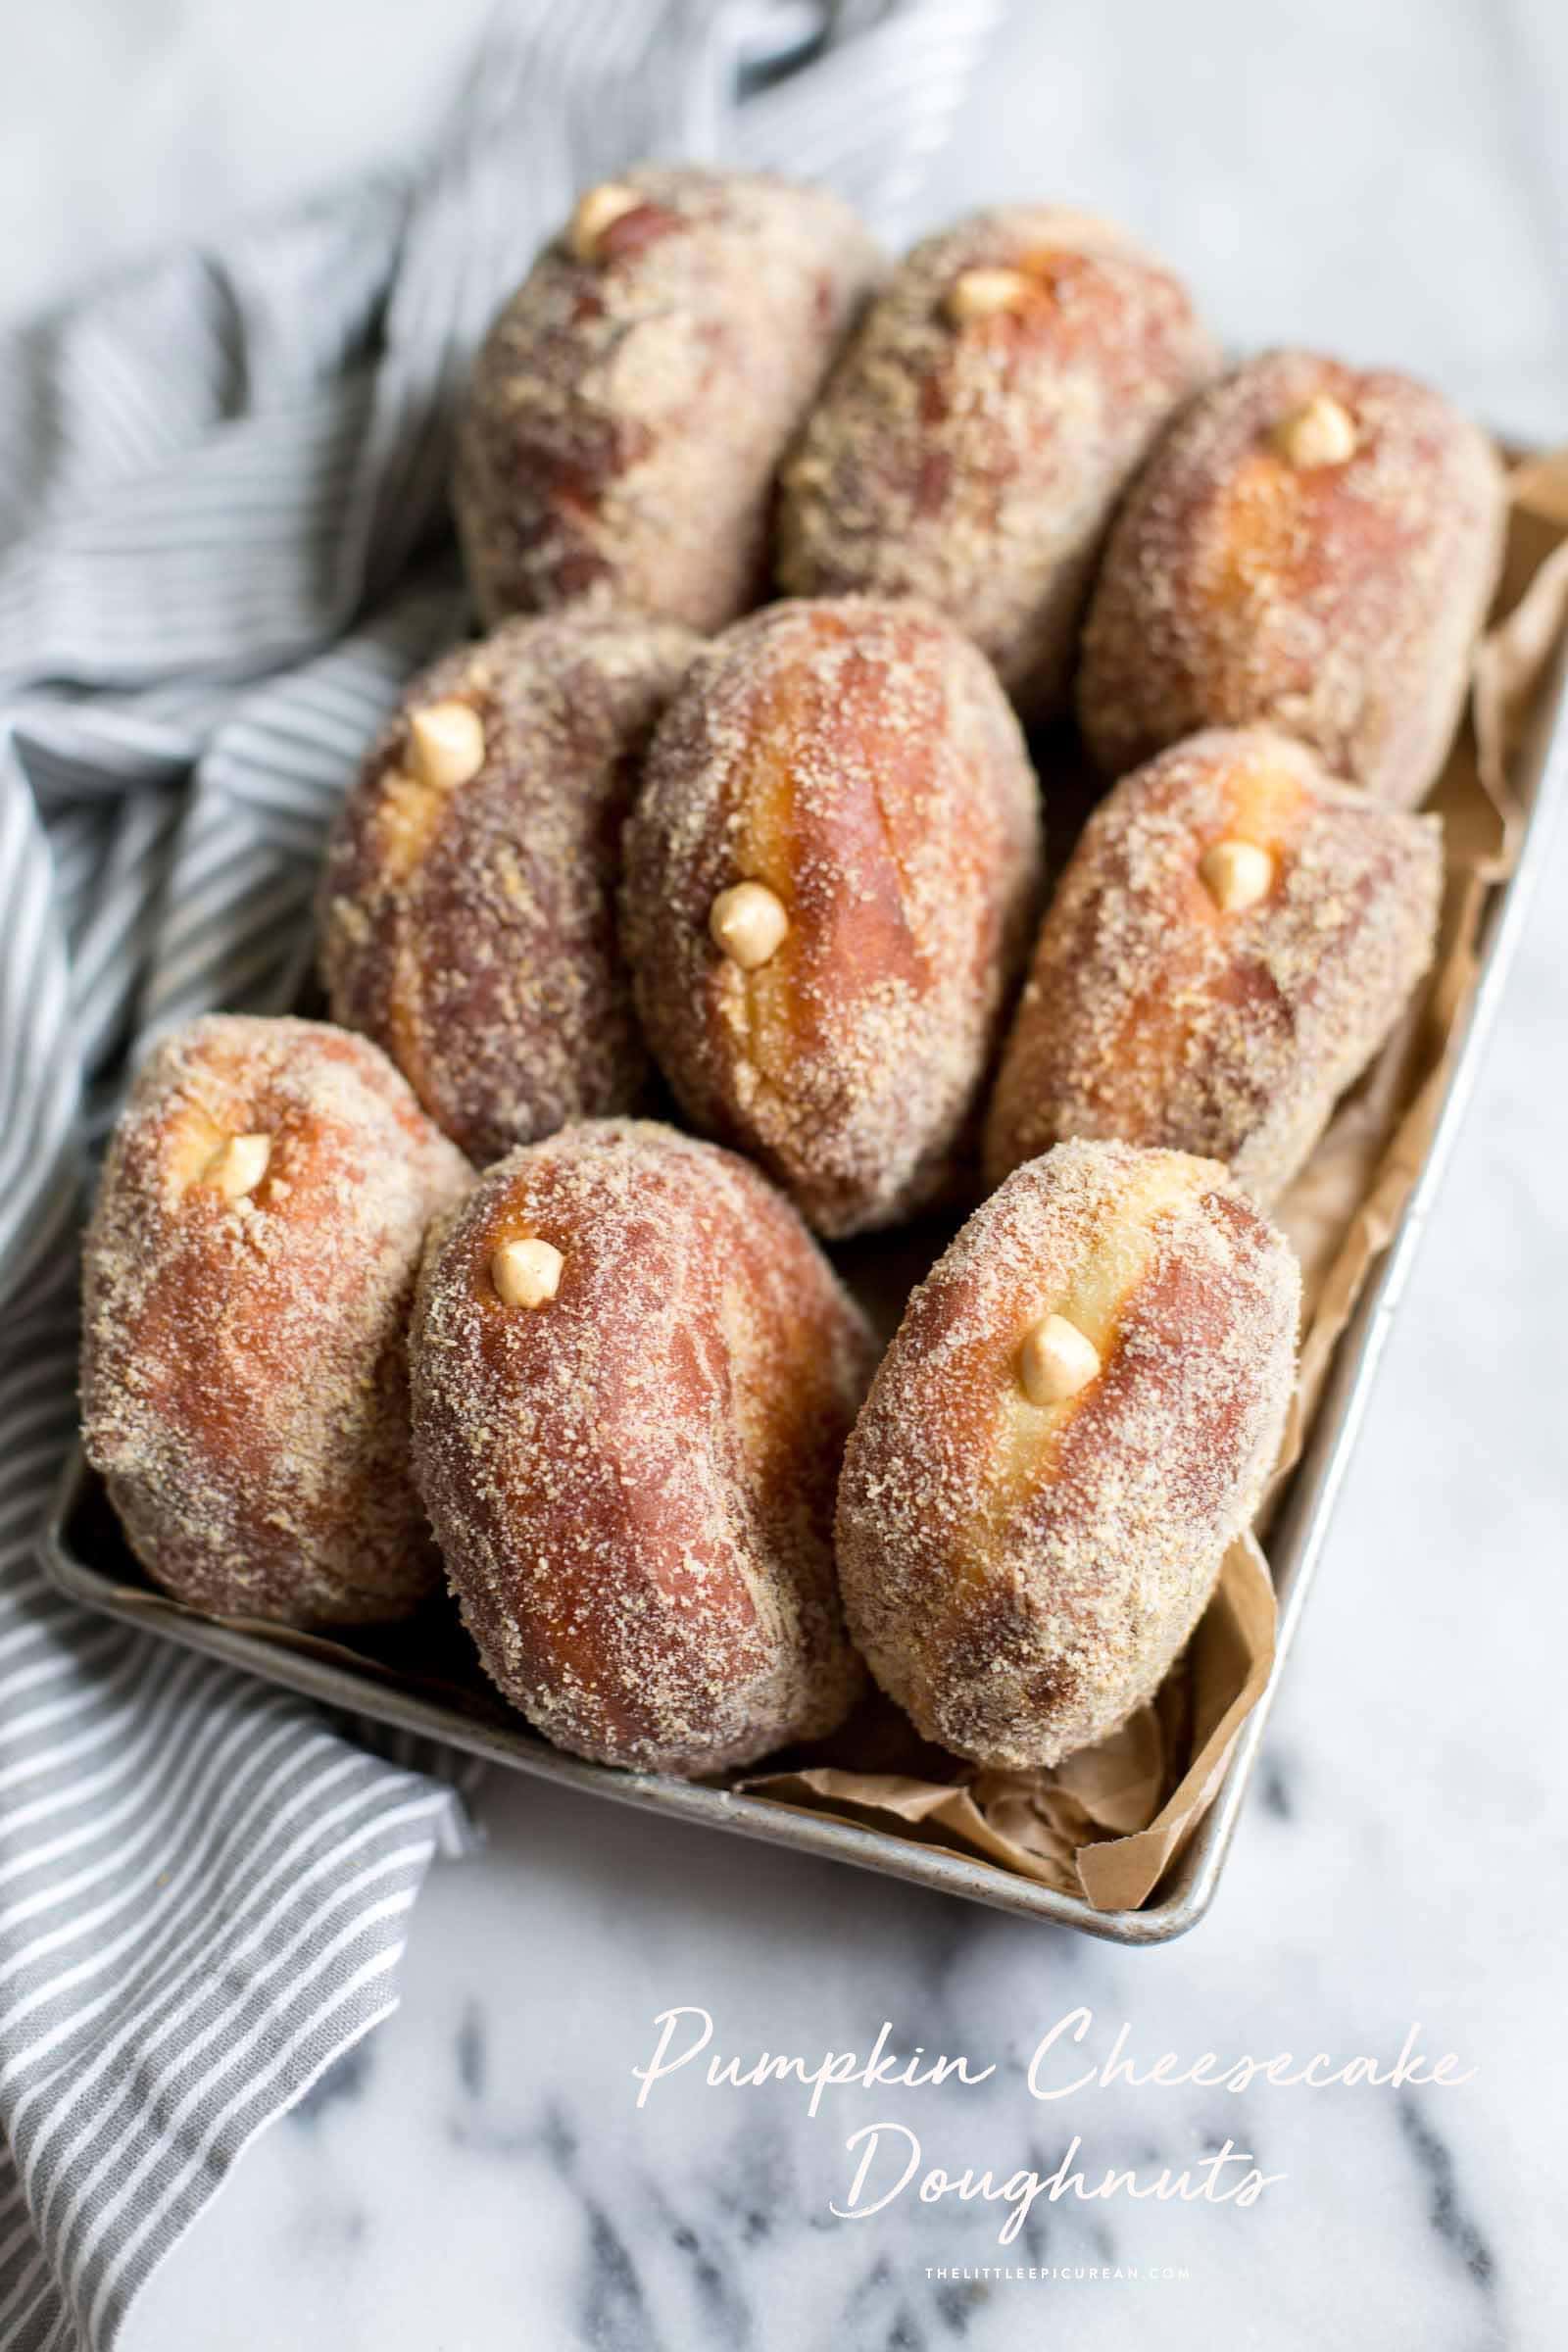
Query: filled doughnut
[1234,937]
[1073,1423]
[631,406]
[976,434]
[248,1274]
[830,878]
[633,1375]
[467,915]
[1311,548]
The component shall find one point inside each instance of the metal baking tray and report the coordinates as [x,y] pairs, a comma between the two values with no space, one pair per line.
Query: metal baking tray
[451,1702]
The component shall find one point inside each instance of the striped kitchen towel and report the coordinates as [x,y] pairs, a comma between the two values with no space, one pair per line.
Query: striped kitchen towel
[222,547]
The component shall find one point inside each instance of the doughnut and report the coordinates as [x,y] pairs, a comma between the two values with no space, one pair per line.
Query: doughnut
[248,1272]
[1073,1423]
[633,1374]
[467,906]
[830,878]
[1234,937]
[978,431]
[1308,548]
[630,405]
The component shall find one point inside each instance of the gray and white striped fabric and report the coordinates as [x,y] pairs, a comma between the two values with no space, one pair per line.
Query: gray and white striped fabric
[222,547]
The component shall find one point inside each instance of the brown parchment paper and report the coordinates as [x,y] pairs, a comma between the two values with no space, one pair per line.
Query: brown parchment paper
[1106,1823]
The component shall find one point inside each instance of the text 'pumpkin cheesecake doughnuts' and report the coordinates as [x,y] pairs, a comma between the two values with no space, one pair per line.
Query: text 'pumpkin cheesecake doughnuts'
[632,401]
[634,1376]
[978,431]
[1312,548]
[1234,937]
[830,876]
[248,1275]
[1074,1422]
[467,906]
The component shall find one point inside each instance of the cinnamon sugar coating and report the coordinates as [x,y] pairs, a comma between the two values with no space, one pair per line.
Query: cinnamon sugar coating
[630,405]
[1156,1014]
[244,1375]
[1020,1577]
[632,1481]
[974,437]
[470,928]
[1335,596]
[859,761]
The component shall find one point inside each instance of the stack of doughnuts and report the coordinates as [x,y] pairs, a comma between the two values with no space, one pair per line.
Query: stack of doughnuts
[434,1287]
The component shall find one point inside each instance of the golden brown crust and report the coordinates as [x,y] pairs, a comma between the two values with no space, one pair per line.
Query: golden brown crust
[627,412]
[244,1380]
[470,929]
[860,760]
[1154,1015]
[633,1482]
[1339,601]
[1022,1577]
[974,461]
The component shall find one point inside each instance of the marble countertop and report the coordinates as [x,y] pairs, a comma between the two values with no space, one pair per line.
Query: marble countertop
[1381,180]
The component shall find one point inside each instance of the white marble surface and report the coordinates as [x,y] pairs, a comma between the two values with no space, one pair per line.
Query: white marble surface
[1380,178]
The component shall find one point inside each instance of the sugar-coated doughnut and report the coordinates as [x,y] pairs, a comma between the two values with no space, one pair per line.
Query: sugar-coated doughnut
[632,402]
[633,1374]
[248,1274]
[1233,939]
[1311,548]
[978,431]
[1073,1423]
[467,908]
[830,877]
